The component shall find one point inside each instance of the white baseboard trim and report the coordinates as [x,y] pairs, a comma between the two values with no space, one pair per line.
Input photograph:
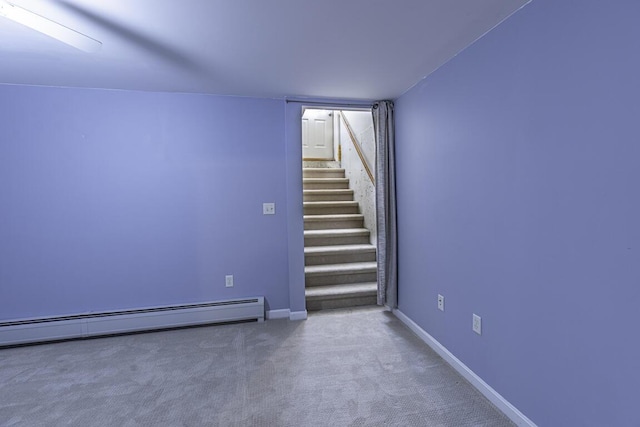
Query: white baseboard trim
[298,315]
[285,313]
[278,314]
[507,408]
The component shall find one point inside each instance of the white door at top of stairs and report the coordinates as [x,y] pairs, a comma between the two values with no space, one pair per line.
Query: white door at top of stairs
[317,134]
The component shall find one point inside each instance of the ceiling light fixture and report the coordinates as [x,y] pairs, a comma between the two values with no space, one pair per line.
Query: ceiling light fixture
[49,27]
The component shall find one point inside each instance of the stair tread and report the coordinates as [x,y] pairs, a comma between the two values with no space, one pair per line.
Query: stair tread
[336,232]
[341,268]
[322,169]
[326,190]
[315,179]
[338,248]
[330,203]
[332,216]
[337,291]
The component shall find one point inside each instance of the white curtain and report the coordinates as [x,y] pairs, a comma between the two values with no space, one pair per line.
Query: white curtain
[386,204]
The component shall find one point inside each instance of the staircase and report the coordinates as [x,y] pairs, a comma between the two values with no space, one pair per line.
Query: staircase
[340,262]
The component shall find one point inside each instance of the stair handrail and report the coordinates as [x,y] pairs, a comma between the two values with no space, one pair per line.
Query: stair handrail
[356,145]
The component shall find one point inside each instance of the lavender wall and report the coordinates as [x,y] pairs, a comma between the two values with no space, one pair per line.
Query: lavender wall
[295,226]
[518,171]
[115,199]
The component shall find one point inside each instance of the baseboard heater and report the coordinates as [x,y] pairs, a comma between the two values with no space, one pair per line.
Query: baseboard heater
[44,329]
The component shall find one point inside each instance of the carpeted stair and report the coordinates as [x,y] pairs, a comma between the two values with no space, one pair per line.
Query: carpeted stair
[340,261]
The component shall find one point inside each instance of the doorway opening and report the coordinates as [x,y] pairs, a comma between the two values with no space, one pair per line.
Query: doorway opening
[338,150]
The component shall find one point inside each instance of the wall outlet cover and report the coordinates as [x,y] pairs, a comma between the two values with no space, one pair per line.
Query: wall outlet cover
[477,324]
[440,302]
[228,281]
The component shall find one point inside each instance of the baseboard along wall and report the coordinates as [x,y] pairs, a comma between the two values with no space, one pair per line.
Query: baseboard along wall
[298,315]
[487,391]
[278,314]
[286,314]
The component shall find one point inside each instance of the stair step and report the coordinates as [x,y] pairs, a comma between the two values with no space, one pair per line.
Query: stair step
[347,236]
[339,194]
[342,268]
[320,164]
[324,183]
[337,291]
[336,274]
[323,173]
[340,262]
[330,208]
[327,222]
[339,296]
[336,254]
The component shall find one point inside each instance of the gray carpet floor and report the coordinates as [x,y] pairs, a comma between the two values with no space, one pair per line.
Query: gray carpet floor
[353,367]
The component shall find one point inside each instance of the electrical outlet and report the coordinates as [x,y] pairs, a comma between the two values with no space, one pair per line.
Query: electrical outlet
[268,209]
[228,281]
[440,302]
[477,324]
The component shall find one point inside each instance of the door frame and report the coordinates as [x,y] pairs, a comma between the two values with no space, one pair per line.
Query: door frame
[295,222]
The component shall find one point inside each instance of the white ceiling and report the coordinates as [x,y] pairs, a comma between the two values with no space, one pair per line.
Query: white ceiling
[359,49]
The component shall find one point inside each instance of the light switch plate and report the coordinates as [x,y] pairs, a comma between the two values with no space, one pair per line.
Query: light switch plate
[268,209]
